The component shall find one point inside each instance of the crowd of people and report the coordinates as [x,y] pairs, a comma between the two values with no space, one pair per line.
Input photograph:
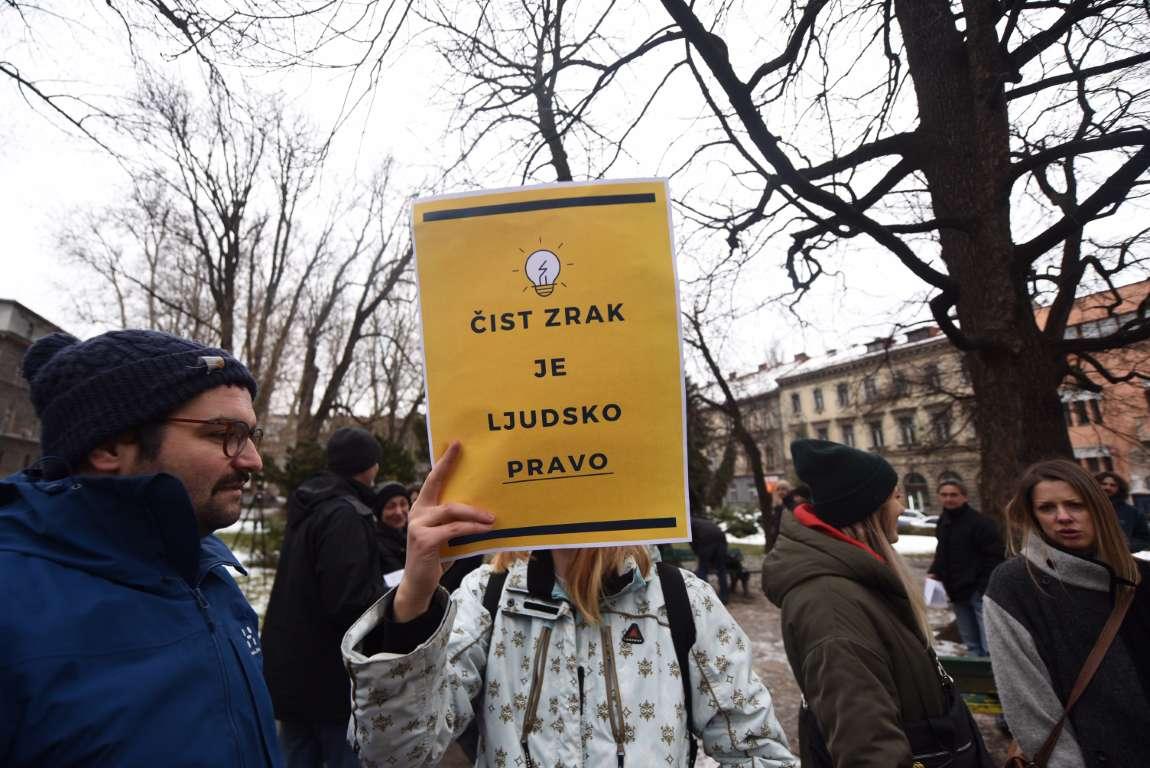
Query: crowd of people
[124,639]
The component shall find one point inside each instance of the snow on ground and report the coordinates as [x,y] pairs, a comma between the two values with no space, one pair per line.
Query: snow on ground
[243,526]
[907,544]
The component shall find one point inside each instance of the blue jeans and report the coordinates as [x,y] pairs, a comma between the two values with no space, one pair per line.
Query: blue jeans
[316,745]
[970,626]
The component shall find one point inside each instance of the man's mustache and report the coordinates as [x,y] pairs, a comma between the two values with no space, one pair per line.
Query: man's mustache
[232,482]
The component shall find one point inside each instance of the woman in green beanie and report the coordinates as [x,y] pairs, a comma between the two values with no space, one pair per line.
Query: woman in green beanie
[854,625]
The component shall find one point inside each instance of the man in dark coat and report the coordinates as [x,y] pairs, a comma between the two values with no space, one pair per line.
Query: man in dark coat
[329,573]
[124,640]
[710,545]
[969,547]
[1130,520]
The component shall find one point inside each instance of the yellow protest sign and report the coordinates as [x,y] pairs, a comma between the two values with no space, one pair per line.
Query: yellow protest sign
[552,352]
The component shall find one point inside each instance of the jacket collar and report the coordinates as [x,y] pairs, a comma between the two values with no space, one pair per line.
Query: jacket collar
[542,583]
[1075,570]
[131,530]
[805,515]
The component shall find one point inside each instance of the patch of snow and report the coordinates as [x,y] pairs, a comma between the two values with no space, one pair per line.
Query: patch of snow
[908,544]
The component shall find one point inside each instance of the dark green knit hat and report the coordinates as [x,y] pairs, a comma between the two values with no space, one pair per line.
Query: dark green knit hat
[847,485]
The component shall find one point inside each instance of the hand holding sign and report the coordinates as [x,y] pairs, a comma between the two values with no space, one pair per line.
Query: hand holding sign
[430,525]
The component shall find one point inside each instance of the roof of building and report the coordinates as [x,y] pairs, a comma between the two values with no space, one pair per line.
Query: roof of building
[37,324]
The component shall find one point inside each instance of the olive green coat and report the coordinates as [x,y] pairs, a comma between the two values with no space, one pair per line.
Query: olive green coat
[854,646]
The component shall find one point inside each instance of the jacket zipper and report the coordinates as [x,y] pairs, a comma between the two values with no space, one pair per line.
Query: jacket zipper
[614,698]
[539,669]
[205,611]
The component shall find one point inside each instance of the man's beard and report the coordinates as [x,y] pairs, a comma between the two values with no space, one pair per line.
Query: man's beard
[215,513]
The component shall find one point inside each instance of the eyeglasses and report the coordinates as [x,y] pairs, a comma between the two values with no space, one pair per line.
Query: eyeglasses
[236,433]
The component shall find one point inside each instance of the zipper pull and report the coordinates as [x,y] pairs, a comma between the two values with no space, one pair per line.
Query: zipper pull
[202,602]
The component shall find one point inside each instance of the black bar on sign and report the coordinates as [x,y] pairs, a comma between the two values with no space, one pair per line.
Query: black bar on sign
[537,205]
[588,527]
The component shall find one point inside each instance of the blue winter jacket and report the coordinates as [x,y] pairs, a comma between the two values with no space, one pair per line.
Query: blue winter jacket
[123,639]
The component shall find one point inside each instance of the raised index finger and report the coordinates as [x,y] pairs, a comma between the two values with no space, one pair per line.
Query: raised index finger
[433,485]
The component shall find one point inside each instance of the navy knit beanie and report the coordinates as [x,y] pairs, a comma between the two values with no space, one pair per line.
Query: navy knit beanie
[389,491]
[351,450]
[847,485]
[88,392]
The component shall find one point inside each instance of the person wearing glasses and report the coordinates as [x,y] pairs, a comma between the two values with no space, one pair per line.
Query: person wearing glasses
[124,639]
[330,571]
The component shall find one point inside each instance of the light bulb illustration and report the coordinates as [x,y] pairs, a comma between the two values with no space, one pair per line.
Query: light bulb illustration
[542,270]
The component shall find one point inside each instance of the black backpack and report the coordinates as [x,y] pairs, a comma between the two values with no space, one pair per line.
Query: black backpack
[679,616]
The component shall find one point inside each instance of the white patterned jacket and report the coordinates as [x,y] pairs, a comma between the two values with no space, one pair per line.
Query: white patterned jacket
[597,700]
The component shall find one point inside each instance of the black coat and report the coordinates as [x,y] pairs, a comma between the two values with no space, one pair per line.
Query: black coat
[329,573]
[392,546]
[969,548]
[708,540]
[1133,525]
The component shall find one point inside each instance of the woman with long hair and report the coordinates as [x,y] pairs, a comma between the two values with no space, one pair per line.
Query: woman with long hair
[573,661]
[854,624]
[1045,610]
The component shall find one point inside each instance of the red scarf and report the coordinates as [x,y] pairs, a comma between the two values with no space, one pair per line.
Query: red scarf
[805,514]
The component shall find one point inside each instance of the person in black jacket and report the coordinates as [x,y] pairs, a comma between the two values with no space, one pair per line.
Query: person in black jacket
[329,573]
[391,504]
[969,547]
[1130,520]
[710,544]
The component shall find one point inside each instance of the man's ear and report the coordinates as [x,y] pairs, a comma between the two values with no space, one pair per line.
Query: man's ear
[112,457]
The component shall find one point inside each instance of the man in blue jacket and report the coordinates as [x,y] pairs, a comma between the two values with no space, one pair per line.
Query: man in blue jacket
[124,640]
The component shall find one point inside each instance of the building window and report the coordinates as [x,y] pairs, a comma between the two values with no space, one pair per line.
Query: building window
[848,435]
[818,393]
[1080,412]
[876,439]
[870,388]
[933,378]
[822,433]
[906,433]
[1096,410]
[769,455]
[900,384]
[940,426]
[917,491]
[843,395]
[796,403]
[801,432]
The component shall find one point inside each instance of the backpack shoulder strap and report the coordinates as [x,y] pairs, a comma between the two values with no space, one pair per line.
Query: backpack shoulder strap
[493,592]
[682,621]
[469,739]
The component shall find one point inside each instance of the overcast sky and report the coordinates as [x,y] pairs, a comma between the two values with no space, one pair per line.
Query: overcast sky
[48,173]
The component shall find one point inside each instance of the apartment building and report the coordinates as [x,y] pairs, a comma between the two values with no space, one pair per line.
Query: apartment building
[19,427]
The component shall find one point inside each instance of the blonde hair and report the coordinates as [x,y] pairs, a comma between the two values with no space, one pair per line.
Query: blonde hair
[584,578]
[869,531]
[1109,541]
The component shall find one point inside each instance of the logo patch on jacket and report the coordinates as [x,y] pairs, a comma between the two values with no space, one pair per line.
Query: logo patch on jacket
[633,635]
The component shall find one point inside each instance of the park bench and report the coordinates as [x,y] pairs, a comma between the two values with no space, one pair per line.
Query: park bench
[974,678]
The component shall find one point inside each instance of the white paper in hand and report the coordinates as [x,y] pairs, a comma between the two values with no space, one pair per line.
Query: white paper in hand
[392,579]
[934,594]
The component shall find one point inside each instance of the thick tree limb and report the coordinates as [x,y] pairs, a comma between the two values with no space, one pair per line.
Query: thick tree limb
[1111,192]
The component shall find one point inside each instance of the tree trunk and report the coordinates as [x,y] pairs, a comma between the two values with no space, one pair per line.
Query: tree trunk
[964,141]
